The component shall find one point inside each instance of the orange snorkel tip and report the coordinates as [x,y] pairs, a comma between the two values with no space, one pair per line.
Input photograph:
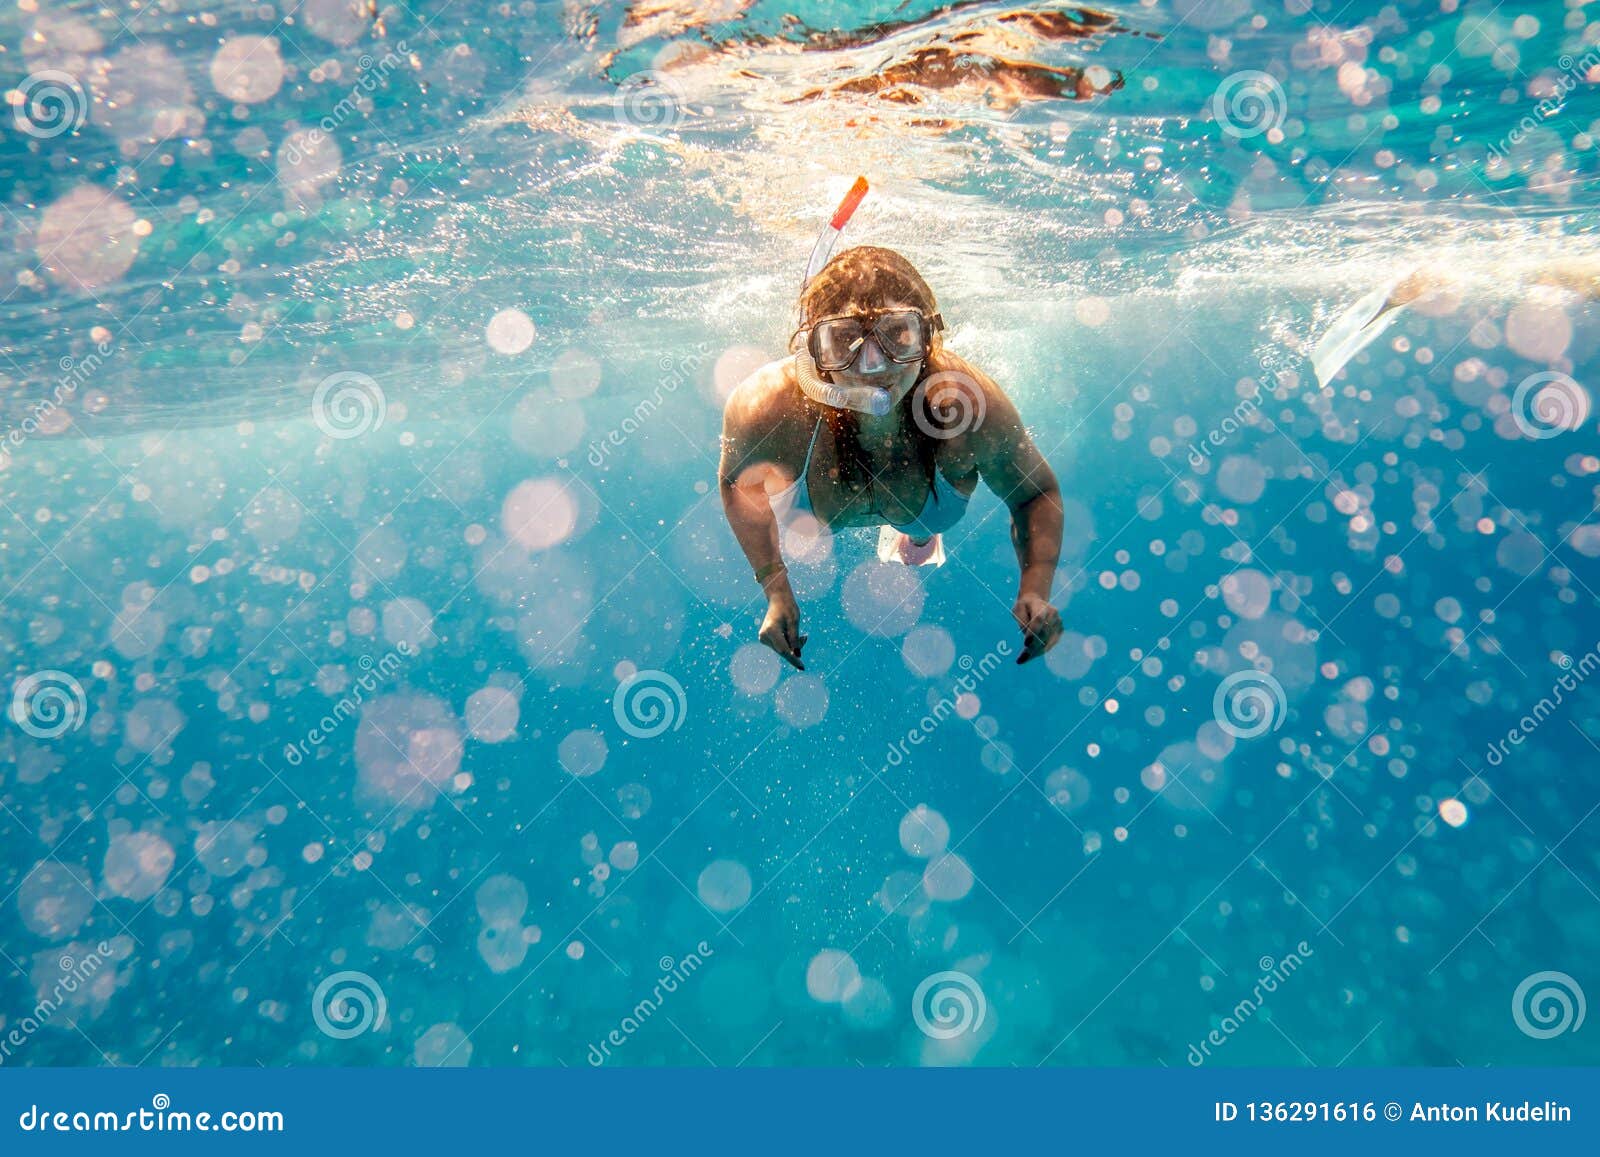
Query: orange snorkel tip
[852,199]
[835,225]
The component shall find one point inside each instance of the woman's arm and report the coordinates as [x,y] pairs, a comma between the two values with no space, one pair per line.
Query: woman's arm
[1011,466]
[741,481]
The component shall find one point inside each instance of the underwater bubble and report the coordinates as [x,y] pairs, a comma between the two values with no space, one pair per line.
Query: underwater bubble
[1067,789]
[1520,553]
[1241,478]
[802,701]
[492,714]
[546,426]
[247,69]
[408,621]
[1248,593]
[408,747]
[582,753]
[755,668]
[502,899]
[153,723]
[361,621]
[87,239]
[1186,778]
[510,332]
[221,847]
[1276,643]
[142,96]
[575,374]
[734,366]
[272,517]
[1071,657]
[55,899]
[1539,331]
[634,800]
[137,865]
[869,1006]
[808,545]
[308,159]
[902,894]
[443,1046]
[928,651]
[539,514]
[393,926]
[883,598]
[724,885]
[923,832]
[947,877]
[336,21]
[832,976]
[502,946]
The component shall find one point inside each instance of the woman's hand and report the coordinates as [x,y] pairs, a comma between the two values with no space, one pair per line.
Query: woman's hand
[1040,623]
[780,630]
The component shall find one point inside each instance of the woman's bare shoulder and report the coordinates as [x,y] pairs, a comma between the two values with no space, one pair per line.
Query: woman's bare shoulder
[760,415]
[765,395]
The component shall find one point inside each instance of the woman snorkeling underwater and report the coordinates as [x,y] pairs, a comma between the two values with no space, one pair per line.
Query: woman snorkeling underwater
[910,430]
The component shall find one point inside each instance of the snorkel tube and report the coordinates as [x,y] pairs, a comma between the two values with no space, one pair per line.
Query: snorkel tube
[866,399]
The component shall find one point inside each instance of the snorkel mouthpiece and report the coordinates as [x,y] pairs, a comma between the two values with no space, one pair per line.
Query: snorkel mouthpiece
[865,399]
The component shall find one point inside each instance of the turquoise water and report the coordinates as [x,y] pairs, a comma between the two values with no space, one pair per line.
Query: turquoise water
[369,609]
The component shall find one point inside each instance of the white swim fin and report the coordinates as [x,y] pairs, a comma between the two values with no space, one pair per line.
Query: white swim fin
[1356,328]
[896,546]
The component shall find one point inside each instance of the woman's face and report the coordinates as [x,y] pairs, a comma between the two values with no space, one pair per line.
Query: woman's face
[871,367]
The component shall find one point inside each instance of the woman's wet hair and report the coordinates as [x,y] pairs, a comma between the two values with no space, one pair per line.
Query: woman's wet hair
[868,277]
[864,277]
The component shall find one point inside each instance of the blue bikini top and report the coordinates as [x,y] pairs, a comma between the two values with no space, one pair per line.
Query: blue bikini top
[942,510]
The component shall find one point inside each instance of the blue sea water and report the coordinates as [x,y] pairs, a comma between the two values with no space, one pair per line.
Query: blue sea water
[381,676]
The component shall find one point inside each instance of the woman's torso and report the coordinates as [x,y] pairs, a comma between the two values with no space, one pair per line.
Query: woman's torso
[898,493]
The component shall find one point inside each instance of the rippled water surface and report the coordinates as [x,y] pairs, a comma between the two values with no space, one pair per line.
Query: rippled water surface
[381,676]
